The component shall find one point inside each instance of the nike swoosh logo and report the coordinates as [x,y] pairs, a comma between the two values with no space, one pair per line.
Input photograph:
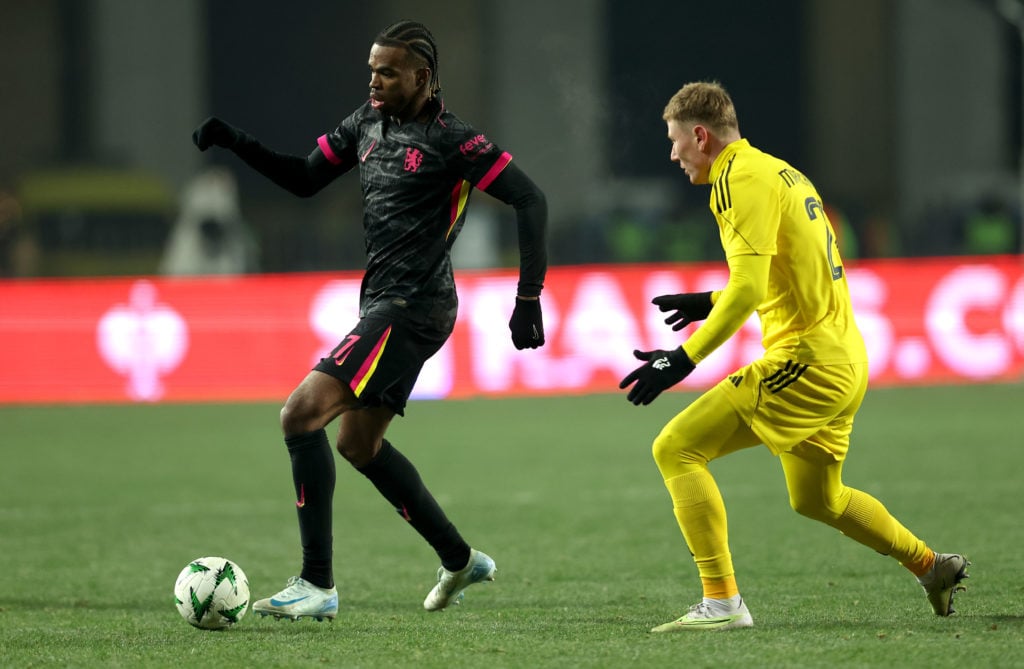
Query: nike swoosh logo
[302,498]
[286,602]
[710,621]
[367,154]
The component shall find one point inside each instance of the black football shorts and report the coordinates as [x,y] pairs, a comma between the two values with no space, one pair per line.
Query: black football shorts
[380,360]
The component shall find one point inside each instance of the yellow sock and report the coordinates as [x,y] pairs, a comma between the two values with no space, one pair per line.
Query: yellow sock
[867,521]
[700,513]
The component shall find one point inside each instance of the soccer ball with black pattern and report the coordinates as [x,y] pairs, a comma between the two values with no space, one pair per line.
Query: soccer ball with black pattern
[212,593]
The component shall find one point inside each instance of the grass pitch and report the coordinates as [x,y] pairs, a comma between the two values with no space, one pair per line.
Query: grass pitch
[101,507]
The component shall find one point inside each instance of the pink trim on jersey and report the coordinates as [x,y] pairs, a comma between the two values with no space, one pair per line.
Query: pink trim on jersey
[438,119]
[329,153]
[358,384]
[503,160]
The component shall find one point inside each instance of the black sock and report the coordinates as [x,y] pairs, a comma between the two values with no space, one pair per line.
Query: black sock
[397,479]
[314,475]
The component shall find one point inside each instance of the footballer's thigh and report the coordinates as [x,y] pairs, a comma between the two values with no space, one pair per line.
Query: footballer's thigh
[314,403]
[708,428]
[377,365]
[813,467]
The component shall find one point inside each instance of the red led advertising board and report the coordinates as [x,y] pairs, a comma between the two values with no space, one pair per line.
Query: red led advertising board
[150,339]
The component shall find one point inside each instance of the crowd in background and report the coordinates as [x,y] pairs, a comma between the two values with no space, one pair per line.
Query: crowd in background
[206,232]
[98,176]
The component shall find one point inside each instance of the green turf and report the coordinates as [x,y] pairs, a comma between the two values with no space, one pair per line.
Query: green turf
[100,507]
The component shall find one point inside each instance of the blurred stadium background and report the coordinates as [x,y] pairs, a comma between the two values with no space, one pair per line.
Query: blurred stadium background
[906,114]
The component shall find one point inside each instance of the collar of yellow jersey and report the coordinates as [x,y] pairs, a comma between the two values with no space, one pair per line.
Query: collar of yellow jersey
[725,156]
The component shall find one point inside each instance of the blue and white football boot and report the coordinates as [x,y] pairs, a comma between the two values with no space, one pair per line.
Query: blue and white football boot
[450,584]
[300,599]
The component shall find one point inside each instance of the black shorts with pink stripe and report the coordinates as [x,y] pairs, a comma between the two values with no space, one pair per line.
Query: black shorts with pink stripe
[380,360]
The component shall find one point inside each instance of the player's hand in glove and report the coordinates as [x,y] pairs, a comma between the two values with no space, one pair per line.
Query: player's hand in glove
[662,370]
[527,324]
[688,307]
[215,132]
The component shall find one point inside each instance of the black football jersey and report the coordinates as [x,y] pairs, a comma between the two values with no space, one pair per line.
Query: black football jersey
[416,181]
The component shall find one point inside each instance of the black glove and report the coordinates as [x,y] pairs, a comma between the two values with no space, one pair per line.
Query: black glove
[662,370]
[689,307]
[215,132]
[527,324]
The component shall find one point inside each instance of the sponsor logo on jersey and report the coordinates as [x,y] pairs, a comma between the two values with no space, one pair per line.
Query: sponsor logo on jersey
[475,146]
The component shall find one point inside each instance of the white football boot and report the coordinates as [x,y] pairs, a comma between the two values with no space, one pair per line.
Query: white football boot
[450,584]
[711,615]
[943,581]
[300,599]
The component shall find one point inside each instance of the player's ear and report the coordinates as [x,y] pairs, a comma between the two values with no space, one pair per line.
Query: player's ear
[422,76]
[700,136]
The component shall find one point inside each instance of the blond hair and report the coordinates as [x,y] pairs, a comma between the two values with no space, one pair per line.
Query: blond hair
[703,102]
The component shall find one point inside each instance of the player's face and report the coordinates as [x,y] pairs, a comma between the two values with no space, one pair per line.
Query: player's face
[397,82]
[688,139]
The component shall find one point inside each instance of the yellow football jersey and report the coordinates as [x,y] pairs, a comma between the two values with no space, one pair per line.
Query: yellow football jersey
[765,207]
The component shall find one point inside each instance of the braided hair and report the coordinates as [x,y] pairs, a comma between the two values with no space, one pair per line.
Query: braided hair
[414,37]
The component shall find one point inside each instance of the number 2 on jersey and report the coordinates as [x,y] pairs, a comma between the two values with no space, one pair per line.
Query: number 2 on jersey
[813,207]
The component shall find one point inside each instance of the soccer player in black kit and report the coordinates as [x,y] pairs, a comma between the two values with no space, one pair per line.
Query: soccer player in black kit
[418,164]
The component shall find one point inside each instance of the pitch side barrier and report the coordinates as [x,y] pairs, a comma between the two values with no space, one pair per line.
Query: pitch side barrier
[152,339]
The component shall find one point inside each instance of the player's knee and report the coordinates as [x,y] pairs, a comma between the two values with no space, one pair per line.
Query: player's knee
[670,454]
[288,422]
[357,451]
[296,419]
[347,449]
[814,507]
[663,449]
[805,506]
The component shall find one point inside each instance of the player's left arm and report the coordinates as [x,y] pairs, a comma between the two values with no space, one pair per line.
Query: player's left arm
[745,290]
[512,186]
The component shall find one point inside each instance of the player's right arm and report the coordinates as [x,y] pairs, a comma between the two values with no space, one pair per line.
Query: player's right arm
[749,223]
[301,176]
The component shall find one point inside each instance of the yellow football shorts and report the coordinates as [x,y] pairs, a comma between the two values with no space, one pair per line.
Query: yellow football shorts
[789,403]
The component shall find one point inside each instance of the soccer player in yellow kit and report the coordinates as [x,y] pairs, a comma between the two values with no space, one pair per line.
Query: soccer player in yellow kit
[800,398]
